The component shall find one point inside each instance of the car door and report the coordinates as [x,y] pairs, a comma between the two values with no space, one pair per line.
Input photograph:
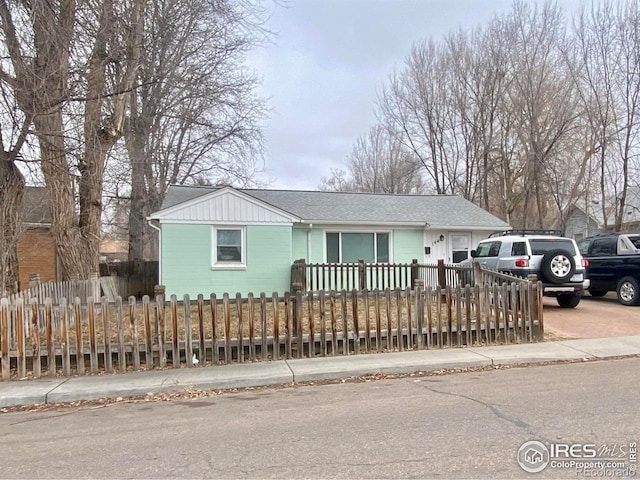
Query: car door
[487,253]
[603,263]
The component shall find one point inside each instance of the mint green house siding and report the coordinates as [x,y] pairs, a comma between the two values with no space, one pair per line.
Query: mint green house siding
[224,240]
[299,238]
[269,260]
[308,243]
[187,257]
[408,245]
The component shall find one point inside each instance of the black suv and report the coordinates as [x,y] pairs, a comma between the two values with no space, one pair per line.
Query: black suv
[614,265]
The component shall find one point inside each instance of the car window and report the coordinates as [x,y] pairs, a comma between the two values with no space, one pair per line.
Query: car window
[583,246]
[518,249]
[635,240]
[540,246]
[488,249]
[604,246]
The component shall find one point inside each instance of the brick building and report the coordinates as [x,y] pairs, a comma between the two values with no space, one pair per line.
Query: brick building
[36,245]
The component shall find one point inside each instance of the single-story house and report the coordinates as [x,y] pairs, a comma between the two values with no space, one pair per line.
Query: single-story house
[244,240]
[113,250]
[37,252]
[582,220]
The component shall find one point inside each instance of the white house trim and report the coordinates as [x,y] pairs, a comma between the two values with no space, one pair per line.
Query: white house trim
[225,205]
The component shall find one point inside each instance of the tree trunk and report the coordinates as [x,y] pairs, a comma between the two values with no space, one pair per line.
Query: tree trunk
[72,246]
[134,141]
[11,192]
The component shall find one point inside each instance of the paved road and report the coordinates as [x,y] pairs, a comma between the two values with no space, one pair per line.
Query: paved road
[467,425]
[592,318]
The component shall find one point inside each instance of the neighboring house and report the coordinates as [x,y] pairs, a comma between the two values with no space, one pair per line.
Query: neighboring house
[228,240]
[580,224]
[113,250]
[36,245]
[631,216]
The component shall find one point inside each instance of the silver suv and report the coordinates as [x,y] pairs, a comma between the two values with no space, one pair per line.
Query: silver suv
[555,260]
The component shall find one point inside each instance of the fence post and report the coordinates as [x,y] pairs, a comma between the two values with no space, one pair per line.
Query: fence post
[34,279]
[298,275]
[94,285]
[419,312]
[159,290]
[296,293]
[414,272]
[477,274]
[442,279]
[362,275]
[535,307]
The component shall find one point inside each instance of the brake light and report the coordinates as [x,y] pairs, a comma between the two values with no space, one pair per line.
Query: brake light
[585,262]
[522,262]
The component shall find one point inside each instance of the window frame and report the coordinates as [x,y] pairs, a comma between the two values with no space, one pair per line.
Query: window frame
[375,233]
[491,253]
[217,264]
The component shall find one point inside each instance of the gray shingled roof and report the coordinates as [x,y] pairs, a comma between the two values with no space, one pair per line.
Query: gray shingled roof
[35,206]
[326,207]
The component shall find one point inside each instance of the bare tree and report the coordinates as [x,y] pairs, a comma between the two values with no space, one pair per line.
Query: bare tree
[490,113]
[542,94]
[46,42]
[416,106]
[337,182]
[194,112]
[379,163]
[606,71]
[12,185]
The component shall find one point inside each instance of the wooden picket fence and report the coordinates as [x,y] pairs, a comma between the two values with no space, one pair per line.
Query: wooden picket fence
[46,339]
[361,275]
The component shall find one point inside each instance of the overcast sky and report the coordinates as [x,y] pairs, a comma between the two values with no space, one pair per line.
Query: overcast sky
[324,68]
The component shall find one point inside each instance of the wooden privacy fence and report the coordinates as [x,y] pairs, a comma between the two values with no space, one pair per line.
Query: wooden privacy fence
[75,288]
[49,339]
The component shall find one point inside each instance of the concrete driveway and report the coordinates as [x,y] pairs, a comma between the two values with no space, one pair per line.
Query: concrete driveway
[592,318]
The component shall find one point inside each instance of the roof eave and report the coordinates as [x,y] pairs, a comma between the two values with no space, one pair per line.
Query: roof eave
[362,223]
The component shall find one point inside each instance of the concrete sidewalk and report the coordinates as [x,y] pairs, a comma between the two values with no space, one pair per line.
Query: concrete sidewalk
[40,391]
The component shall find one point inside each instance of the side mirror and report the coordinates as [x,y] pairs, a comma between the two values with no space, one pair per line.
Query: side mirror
[474,254]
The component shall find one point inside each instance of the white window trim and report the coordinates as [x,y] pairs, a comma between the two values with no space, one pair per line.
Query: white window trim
[340,231]
[215,264]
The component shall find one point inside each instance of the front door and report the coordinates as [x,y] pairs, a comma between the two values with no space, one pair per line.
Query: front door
[460,246]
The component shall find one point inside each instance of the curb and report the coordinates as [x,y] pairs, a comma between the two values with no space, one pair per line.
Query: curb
[282,372]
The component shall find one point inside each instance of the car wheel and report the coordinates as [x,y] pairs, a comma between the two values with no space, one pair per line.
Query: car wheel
[558,266]
[597,293]
[628,291]
[568,300]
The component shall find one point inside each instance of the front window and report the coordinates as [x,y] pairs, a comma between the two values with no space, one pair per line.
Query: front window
[349,247]
[518,249]
[488,249]
[459,247]
[228,248]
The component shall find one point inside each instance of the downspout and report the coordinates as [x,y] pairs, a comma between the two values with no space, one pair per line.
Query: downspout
[309,243]
[149,220]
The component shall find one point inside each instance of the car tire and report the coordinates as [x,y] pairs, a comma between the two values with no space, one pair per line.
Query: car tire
[558,266]
[628,291]
[568,300]
[597,293]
